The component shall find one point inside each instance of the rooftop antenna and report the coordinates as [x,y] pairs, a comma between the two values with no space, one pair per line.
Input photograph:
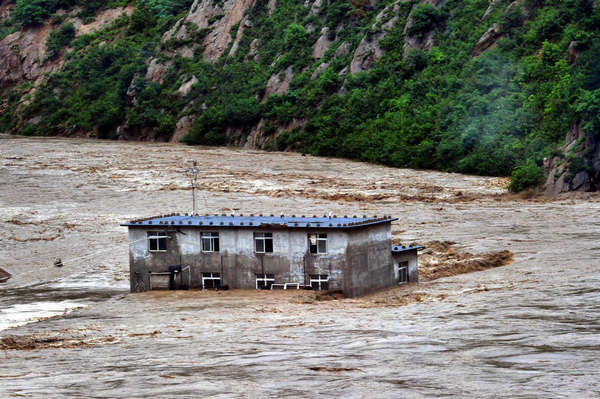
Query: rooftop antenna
[193,174]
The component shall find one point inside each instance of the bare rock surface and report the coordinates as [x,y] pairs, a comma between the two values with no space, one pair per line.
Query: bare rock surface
[368,51]
[182,128]
[562,176]
[101,21]
[186,87]
[278,84]
[218,18]
[156,70]
[23,53]
[488,39]
[322,44]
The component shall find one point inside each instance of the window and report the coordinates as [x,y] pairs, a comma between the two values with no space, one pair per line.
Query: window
[157,241]
[263,242]
[211,280]
[319,281]
[402,272]
[264,281]
[317,243]
[210,241]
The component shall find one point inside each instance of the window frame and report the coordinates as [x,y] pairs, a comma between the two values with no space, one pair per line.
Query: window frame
[212,237]
[212,277]
[157,236]
[319,238]
[266,278]
[263,237]
[403,272]
[320,279]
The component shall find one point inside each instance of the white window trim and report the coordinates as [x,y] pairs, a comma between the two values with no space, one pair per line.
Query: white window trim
[318,280]
[318,238]
[402,266]
[211,277]
[156,237]
[263,239]
[212,242]
[264,279]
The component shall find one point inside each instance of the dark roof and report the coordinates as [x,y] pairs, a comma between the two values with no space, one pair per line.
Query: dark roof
[272,221]
[403,248]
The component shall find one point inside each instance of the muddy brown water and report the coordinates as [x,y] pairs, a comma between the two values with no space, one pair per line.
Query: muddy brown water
[530,329]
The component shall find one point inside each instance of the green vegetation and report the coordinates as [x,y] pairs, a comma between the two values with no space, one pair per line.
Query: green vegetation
[499,113]
[59,39]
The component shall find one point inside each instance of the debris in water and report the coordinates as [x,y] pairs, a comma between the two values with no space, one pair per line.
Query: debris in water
[4,276]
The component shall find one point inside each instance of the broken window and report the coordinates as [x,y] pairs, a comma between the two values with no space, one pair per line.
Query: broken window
[264,281]
[319,282]
[210,241]
[263,242]
[402,272]
[317,243]
[157,241]
[211,280]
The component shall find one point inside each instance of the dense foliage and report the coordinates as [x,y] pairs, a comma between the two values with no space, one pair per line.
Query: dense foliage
[497,113]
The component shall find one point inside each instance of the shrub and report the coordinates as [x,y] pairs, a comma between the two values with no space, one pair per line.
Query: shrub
[423,17]
[530,174]
[58,39]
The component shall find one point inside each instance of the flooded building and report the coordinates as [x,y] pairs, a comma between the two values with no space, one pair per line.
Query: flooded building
[350,254]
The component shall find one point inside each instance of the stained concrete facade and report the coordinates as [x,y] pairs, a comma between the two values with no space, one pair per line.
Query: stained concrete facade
[406,257]
[357,261]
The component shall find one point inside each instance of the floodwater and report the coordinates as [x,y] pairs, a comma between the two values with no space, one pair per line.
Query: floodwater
[529,329]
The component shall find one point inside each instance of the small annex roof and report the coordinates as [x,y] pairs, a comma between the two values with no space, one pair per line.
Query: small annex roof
[396,249]
[272,221]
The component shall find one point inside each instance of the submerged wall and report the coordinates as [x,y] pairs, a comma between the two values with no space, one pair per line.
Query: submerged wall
[237,262]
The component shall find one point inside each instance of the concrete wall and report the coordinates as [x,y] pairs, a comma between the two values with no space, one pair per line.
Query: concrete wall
[369,266]
[413,264]
[237,261]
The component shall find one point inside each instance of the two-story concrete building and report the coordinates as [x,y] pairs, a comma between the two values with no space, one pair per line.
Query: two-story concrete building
[351,254]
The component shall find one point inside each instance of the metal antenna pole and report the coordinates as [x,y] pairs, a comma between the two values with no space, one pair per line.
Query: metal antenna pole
[193,174]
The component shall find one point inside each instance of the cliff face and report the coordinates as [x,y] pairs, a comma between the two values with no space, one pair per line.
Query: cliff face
[577,166]
[472,86]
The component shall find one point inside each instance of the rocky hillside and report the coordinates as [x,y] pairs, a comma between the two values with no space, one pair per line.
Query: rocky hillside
[489,87]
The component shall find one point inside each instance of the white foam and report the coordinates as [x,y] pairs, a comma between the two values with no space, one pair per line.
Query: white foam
[21,314]
[85,280]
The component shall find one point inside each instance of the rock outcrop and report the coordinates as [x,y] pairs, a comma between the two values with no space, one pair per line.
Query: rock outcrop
[182,128]
[156,70]
[216,18]
[22,54]
[424,42]
[322,44]
[488,39]
[368,51]
[578,166]
[279,84]
[186,87]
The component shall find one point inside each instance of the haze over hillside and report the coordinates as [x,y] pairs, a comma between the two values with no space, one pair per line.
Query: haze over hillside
[489,87]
